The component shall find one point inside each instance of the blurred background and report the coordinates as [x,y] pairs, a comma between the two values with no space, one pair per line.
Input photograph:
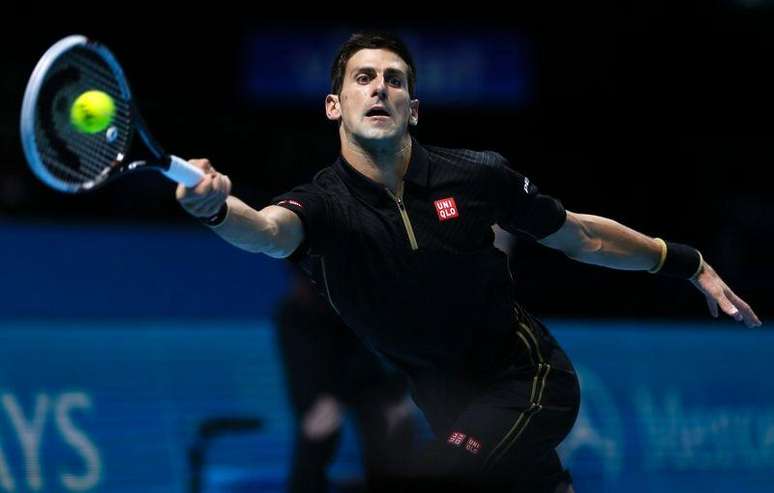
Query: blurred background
[127,327]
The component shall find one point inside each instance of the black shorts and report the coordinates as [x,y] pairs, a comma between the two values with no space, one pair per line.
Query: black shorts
[503,434]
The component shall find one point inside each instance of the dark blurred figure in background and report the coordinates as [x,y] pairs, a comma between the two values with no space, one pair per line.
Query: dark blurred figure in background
[328,371]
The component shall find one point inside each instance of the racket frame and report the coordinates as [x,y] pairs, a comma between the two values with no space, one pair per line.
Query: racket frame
[175,168]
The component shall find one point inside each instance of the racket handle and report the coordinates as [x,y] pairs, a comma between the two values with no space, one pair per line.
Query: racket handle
[183,172]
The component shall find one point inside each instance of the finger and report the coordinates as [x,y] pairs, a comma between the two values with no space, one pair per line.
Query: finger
[203,205]
[749,316]
[192,198]
[210,206]
[728,307]
[218,184]
[202,164]
[221,188]
[713,307]
[204,187]
[180,192]
[753,321]
[222,184]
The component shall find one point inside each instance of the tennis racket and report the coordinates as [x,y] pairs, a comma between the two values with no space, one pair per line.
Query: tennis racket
[73,161]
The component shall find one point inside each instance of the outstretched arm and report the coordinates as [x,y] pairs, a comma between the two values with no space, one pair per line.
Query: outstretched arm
[601,241]
[273,230]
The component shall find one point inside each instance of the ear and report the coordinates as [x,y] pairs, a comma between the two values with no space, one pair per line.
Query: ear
[414,115]
[332,107]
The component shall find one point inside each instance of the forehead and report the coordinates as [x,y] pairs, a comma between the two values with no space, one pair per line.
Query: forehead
[378,59]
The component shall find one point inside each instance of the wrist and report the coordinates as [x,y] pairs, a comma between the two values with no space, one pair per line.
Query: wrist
[218,218]
[678,260]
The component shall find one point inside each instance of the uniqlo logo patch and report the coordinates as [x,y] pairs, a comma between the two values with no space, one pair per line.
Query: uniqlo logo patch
[473,445]
[446,209]
[456,438]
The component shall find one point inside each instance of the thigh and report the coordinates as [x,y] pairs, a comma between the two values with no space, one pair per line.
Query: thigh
[508,434]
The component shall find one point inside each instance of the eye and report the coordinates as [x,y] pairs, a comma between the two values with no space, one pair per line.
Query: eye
[396,81]
[362,79]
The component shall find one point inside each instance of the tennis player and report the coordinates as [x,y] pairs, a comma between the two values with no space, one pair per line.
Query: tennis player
[398,236]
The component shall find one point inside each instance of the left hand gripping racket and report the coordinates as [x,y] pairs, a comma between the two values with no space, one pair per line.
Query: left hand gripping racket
[71,160]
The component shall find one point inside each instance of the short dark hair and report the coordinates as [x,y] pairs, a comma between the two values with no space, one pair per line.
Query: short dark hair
[370,40]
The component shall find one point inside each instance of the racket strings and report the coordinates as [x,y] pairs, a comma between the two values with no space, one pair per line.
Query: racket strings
[96,69]
[96,76]
[63,171]
[94,151]
[51,148]
[70,155]
[83,152]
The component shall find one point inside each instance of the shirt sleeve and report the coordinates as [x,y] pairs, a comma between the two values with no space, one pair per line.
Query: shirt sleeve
[309,203]
[519,205]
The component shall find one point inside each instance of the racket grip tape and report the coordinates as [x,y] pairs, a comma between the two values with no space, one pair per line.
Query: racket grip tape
[183,172]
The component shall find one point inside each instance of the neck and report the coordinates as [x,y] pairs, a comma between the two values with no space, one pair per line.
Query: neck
[384,163]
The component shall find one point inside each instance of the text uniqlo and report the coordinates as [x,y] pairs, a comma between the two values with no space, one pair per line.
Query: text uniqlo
[473,446]
[456,438]
[446,209]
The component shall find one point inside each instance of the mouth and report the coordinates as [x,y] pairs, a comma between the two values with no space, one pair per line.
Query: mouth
[377,112]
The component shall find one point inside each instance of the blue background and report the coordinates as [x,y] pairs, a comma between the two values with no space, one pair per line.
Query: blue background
[470,67]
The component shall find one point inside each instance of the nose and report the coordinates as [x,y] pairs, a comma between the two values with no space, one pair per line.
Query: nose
[380,88]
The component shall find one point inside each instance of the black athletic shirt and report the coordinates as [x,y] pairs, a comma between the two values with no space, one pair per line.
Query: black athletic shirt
[418,279]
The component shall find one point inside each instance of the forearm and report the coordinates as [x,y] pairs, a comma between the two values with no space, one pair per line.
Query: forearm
[601,241]
[275,231]
[611,244]
[247,228]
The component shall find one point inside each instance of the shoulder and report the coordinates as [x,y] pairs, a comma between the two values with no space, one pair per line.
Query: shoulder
[326,177]
[316,194]
[327,182]
[485,165]
[466,158]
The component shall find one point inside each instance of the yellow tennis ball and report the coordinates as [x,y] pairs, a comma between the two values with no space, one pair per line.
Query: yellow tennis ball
[92,112]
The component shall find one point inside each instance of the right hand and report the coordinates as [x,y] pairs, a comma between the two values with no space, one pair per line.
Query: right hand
[205,199]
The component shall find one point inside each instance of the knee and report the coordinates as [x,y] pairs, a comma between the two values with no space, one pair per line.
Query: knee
[398,414]
[323,419]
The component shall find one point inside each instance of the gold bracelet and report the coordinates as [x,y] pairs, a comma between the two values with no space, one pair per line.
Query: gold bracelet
[662,244]
[700,269]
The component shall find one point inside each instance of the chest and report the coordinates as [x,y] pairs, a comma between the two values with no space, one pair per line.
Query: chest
[449,220]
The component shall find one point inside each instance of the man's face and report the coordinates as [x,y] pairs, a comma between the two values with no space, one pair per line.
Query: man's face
[374,102]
